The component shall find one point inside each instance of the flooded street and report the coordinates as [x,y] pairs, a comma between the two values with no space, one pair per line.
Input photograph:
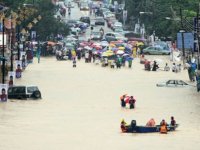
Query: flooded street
[80,109]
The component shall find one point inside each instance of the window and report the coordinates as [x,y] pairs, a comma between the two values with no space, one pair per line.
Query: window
[19,90]
[31,89]
[179,82]
[170,82]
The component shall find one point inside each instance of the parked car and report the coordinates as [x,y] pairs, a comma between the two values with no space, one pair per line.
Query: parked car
[173,83]
[119,30]
[117,36]
[71,22]
[24,92]
[117,25]
[84,6]
[111,22]
[96,35]
[85,19]
[99,21]
[109,39]
[153,50]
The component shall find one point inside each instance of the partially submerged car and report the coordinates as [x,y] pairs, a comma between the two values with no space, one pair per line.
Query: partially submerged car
[173,83]
[96,35]
[24,92]
[154,50]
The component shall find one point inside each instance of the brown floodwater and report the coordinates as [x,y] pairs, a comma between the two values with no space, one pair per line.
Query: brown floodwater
[80,109]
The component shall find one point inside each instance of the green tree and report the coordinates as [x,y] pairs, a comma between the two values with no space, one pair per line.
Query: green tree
[48,25]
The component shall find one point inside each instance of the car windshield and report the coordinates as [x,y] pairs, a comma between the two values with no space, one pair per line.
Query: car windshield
[118,30]
[99,19]
[170,82]
[96,33]
[181,82]
[71,21]
[31,89]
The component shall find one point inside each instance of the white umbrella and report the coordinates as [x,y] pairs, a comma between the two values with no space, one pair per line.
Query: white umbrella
[120,52]
[104,43]
[87,47]
[125,54]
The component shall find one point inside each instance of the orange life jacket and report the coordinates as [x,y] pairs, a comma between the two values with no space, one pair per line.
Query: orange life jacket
[163,129]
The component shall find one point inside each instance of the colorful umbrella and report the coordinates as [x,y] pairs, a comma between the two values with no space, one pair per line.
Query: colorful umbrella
[121,48]
[120,52]
[112,45]
[108,53]
[104,43]
[139,43]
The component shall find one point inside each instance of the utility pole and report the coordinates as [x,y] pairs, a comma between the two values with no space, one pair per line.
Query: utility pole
[182,35]
[12,39]
[198,40]
[3,50]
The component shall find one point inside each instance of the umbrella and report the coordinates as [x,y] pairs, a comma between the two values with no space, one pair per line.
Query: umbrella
[121,48]
[104,43]
[125,54]
[108,53]
[83,44]
[139,43]
[79,49]
[112,45]
[98,47]
[127,99]
[114,48]
[129,58]
[87,47]
[120,52]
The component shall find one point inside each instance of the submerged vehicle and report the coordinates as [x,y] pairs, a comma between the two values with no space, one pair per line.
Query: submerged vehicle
[24,92]
[134,128]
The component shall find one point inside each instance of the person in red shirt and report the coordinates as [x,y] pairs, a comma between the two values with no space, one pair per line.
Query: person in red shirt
[132,102]
[3,96]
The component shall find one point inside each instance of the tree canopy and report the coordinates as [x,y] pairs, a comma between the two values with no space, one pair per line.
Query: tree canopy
[160,10]
[48,25]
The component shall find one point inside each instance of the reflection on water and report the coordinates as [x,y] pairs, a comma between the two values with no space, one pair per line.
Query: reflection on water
[80,109]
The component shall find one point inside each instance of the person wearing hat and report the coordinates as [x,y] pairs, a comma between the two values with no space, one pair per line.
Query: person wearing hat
[123,126]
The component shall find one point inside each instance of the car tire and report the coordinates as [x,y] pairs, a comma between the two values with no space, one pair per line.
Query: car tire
[36,95]
[147,53]
[19,97]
